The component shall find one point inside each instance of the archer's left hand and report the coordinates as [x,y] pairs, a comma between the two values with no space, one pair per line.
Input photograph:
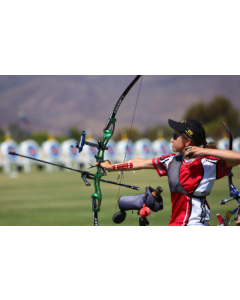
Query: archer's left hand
[106,165]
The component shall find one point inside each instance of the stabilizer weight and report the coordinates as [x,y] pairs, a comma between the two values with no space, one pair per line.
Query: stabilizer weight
[85,180]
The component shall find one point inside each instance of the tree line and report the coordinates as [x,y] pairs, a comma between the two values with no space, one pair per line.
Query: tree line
[211,115]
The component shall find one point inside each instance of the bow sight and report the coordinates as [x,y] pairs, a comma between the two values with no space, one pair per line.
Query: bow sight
[99,146]
[84,142]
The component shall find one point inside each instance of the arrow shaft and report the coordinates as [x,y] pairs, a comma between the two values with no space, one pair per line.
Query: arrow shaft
[46,162]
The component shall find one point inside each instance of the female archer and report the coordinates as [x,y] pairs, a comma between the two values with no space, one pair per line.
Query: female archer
[191,170]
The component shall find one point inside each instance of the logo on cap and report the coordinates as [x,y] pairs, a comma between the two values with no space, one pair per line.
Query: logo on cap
[189,132]
[184,121]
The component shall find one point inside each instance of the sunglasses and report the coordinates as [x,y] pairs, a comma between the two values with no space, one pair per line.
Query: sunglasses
[175,136]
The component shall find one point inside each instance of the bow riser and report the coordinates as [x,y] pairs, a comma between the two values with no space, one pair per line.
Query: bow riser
[107,134]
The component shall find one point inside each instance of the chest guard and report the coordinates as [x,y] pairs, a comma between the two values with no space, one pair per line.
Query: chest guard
[173,178]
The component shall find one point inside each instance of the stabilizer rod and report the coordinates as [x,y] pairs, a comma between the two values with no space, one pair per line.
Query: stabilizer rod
[84,173]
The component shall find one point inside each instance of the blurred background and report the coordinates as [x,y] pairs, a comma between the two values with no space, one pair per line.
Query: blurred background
[43,116]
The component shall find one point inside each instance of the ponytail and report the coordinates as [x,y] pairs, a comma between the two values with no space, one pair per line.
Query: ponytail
[211,145]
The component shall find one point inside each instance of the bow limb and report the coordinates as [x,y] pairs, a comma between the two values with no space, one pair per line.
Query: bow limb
[230,182]
[119,102]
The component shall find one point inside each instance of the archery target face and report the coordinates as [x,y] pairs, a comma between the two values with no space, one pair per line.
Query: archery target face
[91,151]
[73,152]
[11,148]
[223,144]
[32,151]
[129,150]
[144,148]
[236,145]
[54,151]
[68,149]
[160,147]
[111,152]
[29,148]
[164,148]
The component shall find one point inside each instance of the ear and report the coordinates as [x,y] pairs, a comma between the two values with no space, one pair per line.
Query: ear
[188,143]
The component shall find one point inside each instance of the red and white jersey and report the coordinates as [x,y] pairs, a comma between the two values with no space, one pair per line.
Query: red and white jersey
[196,176]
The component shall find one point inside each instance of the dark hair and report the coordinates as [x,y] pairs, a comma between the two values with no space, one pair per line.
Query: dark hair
[205,144]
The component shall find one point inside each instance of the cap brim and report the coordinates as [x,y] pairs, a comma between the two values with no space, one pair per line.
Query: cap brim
[175,125]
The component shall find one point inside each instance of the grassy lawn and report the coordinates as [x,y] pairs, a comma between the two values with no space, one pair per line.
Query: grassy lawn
[61,198]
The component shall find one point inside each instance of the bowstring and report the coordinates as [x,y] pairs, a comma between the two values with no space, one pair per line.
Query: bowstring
[129,140]
[232,136]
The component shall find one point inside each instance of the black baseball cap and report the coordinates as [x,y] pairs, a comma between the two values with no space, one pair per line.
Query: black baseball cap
[193,129]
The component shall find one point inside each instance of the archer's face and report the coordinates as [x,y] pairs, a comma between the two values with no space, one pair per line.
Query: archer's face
[178,142]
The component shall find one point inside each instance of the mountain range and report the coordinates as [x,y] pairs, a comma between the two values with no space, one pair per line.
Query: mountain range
[57,103]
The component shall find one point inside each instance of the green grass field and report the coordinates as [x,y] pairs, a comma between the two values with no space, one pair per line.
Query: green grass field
[61,198]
